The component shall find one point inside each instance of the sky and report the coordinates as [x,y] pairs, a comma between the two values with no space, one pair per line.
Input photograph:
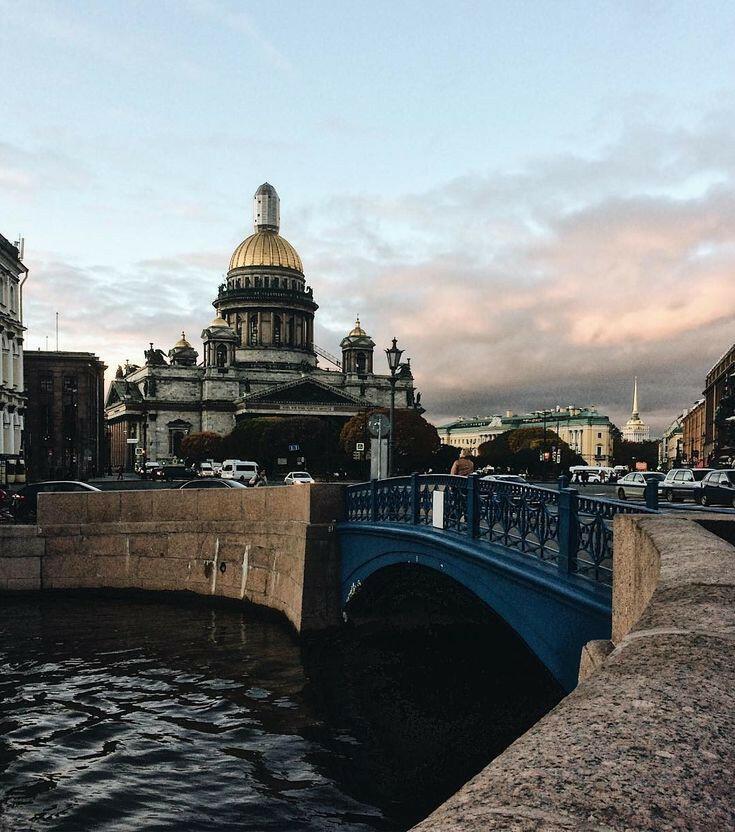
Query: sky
[536,198]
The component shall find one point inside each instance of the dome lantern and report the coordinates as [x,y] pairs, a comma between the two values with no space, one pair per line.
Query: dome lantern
[266,209]
[357,351]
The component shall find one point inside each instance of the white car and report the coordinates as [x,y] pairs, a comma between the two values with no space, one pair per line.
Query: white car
[516,478]
[298,478]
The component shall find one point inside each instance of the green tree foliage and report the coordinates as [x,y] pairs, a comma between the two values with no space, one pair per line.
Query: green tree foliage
[629,453]
[519,451]
[265,439]
[415,442]
[441,462]
[198,446]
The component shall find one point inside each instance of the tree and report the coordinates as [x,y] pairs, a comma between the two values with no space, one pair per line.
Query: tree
[441,461]
[198,446]
[415,441]
[520,451]
[629,453]
[266,439]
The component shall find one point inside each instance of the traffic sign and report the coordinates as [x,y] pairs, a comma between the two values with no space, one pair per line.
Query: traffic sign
[359,446]
[293,448]
[379,425]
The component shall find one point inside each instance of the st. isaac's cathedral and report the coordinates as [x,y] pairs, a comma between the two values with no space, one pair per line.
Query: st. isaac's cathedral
[259,358]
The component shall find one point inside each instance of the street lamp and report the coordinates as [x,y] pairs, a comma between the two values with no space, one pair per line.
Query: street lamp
[394,362]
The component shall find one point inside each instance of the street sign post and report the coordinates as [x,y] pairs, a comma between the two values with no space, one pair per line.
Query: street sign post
[379,425]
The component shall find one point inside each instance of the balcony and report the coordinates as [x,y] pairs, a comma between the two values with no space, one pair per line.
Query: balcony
[267,294]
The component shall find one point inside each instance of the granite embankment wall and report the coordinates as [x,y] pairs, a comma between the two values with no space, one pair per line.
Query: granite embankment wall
[645,742]
[271,546]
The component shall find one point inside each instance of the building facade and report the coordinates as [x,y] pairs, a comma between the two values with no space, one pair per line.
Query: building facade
[671,447]
[471,433]
[636,430]
[714,388]
[12,385]
[258,358]
[693,435]
[65,429]
[586,431]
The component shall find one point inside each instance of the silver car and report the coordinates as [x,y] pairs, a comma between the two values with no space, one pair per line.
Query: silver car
[634,484]
[682,484]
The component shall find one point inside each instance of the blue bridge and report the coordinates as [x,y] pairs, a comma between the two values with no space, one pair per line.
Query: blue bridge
[540,558]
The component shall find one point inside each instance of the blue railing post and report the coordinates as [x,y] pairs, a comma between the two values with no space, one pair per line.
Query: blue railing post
[373,501]
[563,482]
[651,494]
[568,530]
[415,499]
[472,512]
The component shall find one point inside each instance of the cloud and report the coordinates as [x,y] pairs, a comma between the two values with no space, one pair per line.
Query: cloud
[554,283]
[28,172]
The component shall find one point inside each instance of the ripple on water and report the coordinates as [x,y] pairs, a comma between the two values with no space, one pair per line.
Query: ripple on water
[122,714]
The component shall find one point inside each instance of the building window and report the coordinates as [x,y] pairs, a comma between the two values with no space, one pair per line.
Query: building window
[221,355]
[599,450]
[277,330]
[70,384]
[599,436]
[253,330]
[47,383]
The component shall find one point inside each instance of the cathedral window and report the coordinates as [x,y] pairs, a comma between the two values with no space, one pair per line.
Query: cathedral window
[253,330]
[277,330]
[289,331]
[266,282]
[247,282]
[361,363]
[221,355]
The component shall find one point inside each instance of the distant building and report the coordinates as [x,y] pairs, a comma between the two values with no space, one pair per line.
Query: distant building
[713,391]
[636,430]
[12,395]
[471,433]
[693,436]
[671,447]
[65,431]
[584,429]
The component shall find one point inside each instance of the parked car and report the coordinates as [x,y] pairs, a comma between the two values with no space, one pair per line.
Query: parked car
[517,478]
[212,483]
[25,501]
[173,472]
[298,478]
[682,483]
[634,484]
[147,470]
[240,469]
[717,489]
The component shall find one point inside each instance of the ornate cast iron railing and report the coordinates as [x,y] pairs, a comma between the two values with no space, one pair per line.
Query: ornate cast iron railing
[555,526]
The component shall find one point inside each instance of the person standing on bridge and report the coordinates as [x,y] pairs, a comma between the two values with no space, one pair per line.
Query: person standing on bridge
[463,466]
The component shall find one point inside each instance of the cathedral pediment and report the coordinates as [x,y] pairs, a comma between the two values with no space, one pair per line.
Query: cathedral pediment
[304,391]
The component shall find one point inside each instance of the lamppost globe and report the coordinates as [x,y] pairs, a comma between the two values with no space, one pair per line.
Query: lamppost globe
[394,357]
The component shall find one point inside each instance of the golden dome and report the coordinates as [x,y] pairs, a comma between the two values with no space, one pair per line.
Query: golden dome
[266,248]
[358,331]
[182,343]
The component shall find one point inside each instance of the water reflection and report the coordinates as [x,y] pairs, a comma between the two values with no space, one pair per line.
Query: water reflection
[172,713]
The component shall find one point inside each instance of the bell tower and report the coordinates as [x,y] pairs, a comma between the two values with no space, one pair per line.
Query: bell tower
[357,351]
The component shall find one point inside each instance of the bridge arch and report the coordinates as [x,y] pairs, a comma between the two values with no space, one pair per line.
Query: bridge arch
[555,618]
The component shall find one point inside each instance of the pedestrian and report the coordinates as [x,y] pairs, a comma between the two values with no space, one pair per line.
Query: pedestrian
[463,466]
[261,478]
[120,472]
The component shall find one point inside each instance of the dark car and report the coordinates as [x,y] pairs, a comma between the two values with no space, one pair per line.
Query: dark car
[212,484]
[682,483]
[717,489]
[173,472]
[634,484]
[26,500]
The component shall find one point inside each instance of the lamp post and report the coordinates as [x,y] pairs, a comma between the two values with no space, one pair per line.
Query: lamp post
[393,354]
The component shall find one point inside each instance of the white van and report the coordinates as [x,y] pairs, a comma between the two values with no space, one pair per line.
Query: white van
[592,473]
[238,469]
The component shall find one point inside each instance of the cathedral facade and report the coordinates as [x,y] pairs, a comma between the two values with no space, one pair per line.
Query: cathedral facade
[258,358]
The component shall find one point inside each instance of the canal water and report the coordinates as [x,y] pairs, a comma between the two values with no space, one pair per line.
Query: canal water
[151,712]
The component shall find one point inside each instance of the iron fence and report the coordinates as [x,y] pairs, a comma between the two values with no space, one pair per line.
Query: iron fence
[552,525]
